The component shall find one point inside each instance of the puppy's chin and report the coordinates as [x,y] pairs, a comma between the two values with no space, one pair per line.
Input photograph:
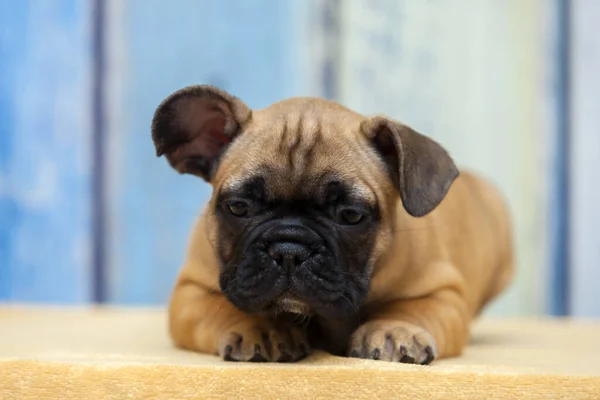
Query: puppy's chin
[287,304]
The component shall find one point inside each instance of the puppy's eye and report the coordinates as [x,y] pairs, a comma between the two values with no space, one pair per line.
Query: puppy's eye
[239,208]
[349,217]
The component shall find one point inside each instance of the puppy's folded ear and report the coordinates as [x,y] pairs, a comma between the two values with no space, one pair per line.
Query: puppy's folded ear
[193,126]
[420,168]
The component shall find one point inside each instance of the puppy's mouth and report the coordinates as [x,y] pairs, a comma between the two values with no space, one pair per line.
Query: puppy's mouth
[315,286]
[290,304]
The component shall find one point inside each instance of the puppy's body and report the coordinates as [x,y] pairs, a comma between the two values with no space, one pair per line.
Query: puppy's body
[402,285]
[446,266]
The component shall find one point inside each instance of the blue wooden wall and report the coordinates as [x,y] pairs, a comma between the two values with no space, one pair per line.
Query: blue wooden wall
[80,79]
[584,166]
[246,47]
[45,149]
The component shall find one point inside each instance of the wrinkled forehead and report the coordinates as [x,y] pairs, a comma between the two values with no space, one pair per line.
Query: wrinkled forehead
[272,183]
[302,153]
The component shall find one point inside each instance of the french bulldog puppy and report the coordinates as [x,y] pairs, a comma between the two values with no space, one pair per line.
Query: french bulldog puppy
[327,229]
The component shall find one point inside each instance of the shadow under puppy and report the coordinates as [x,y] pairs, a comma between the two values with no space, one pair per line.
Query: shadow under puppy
[327,229]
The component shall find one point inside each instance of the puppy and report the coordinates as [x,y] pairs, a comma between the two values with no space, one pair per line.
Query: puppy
[327,229]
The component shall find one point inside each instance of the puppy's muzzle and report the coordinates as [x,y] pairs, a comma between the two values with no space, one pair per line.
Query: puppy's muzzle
[287,265]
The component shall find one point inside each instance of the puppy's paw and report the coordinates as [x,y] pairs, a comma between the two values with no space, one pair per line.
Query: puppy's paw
[393,341]
[264,343]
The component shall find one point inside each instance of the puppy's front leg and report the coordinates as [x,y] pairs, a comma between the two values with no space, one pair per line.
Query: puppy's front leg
[414,331]
[205,321]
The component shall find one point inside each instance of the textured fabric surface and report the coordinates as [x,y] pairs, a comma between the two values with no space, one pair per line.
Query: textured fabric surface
[116,353]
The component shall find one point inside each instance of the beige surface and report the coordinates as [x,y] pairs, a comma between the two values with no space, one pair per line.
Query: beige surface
[104,354]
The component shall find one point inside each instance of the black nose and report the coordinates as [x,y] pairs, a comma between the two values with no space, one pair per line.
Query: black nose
[289,254]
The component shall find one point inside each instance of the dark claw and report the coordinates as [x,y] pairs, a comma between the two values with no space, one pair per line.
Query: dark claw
[258,358]
[354,354]
[285,355]
[407,360]
[227,356]
[376,354]
[403,350]
[430,356]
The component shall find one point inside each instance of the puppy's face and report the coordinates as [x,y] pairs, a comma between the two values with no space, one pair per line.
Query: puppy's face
[305,193]
[308,249]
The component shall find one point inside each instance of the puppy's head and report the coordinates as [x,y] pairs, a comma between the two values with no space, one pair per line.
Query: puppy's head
[305,193]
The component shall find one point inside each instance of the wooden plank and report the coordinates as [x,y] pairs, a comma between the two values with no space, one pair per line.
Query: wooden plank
[251,48]
[45,153]
[585,160]
[465,73]
[554,91]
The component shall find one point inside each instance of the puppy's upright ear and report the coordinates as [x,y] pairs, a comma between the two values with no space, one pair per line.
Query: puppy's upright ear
[193,126]
[420,168]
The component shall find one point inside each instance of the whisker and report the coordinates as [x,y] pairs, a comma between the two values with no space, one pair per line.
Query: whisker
[354,307]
